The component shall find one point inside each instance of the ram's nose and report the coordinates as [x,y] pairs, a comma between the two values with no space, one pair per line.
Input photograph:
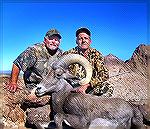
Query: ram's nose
[38,88]
[37,91]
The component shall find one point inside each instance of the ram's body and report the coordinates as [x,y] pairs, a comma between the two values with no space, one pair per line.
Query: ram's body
[81,110]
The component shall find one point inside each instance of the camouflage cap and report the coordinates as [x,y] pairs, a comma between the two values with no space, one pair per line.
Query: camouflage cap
[53,32]
[82,29]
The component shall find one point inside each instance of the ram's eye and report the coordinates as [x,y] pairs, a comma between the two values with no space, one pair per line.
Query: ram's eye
[58,75]
[58,72]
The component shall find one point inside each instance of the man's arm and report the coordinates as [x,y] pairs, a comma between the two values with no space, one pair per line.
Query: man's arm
[12,86]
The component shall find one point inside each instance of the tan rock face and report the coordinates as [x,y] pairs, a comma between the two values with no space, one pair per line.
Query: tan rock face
[140,59]
[13,115]
[130,78]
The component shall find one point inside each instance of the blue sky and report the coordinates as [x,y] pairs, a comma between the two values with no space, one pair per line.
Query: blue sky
[116,28]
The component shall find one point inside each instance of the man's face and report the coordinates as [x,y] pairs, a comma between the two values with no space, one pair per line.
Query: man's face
[52,42]
[83,40]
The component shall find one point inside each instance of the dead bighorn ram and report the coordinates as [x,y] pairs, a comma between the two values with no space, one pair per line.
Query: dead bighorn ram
[83,111]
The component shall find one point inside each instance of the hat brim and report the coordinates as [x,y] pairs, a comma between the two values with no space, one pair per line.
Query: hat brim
[83,30]
[58,35]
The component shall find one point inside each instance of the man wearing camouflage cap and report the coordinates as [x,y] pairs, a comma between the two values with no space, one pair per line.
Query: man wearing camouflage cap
[100,72]
[35,62]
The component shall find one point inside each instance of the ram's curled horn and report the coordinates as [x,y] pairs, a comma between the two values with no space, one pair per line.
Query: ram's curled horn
[68,59]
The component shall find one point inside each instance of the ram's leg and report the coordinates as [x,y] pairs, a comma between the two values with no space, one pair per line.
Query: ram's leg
[124,123]
[58,118]
[137,120]
[77,122]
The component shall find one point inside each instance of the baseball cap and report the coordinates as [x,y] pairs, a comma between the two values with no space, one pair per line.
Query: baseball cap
[53,32]
[82,29]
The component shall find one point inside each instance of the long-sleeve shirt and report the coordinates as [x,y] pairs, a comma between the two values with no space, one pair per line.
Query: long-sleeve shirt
[100,72]
[35,62]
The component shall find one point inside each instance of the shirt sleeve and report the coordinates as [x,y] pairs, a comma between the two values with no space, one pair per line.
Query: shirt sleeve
[100,72]
[26,59]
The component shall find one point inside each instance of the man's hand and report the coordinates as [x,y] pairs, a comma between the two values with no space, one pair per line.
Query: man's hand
[82,88]
[12,87]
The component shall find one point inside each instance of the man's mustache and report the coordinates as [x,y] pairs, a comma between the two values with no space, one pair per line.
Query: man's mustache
[85,43]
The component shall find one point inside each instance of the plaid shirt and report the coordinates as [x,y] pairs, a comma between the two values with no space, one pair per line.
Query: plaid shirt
[100,72]
[35,62]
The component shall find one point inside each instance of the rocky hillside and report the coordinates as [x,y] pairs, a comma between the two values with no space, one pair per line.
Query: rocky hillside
[130,78]
[140,58]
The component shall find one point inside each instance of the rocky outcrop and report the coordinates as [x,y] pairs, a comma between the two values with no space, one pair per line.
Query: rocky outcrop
[140,59]
[130,78]
[14,105]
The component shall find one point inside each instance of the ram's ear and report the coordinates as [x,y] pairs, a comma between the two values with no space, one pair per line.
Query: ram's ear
[71,79]
[68,75]
[59,72]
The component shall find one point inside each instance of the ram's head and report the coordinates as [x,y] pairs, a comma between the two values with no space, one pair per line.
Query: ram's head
[59,75]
